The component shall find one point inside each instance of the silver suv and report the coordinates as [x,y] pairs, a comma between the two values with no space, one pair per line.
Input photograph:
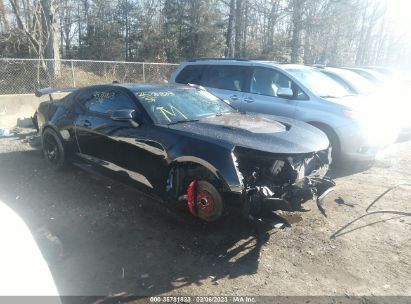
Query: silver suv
[356,127]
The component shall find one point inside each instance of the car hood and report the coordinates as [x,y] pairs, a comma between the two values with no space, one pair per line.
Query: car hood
[259,132]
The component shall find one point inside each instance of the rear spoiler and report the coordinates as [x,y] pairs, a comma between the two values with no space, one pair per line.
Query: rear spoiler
[49,91]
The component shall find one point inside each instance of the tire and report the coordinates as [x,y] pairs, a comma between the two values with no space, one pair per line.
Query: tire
[210,204]
[334,142]
[53,149]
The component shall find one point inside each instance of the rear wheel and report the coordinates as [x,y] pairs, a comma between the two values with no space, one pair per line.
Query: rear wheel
[210,204]
[53,149]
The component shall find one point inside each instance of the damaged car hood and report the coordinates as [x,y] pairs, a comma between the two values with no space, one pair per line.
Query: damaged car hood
[267,133]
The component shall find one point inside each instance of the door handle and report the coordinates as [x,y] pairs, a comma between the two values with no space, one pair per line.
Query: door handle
[234,97]
[86,123]
[249,99]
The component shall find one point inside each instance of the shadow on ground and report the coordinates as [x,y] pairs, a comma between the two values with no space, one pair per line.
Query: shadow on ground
[116,240]
[343,169]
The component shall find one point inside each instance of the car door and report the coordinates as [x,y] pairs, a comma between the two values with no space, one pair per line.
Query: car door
[262,96]
[117,147]
[227,82]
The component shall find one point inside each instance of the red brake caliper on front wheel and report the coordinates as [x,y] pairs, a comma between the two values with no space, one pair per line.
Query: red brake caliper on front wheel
[191,193]
[204,200]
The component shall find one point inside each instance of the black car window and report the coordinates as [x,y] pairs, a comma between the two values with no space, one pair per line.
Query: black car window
[166,105]
[265,81]
[106,101]
[226,77]
[190,74]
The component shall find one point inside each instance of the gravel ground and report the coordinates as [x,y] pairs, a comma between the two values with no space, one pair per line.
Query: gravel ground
[115,240]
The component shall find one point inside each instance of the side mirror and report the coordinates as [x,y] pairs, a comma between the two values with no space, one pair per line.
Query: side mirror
[285,93]
[125,115]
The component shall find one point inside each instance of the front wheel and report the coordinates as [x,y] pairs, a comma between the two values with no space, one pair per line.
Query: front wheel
[53,149]
[209,202]
[334,142]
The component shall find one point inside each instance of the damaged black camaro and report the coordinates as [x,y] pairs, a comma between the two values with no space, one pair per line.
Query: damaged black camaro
[185,146]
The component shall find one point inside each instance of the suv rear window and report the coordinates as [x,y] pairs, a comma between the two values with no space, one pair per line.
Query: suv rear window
[190,74]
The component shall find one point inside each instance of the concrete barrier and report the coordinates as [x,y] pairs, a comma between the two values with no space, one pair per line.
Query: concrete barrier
[14,107]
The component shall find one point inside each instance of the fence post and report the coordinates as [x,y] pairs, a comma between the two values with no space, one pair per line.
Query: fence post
[144,73]
[72,74]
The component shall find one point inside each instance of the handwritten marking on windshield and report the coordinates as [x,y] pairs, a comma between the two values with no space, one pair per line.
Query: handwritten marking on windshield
[152,96]
[173,111]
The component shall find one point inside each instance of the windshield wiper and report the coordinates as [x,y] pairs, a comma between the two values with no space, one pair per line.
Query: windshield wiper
[182,121]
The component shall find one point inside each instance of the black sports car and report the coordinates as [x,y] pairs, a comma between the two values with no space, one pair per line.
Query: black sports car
[184,145]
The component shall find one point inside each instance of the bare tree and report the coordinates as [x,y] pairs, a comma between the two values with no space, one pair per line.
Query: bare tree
[39,25]
[49,33]
[297,26]
[229,35]
[4,23]
[239,27]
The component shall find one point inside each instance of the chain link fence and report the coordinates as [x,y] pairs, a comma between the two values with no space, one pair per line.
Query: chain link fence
[24,76]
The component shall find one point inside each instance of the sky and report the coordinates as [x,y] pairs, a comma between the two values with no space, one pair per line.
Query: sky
[400,14]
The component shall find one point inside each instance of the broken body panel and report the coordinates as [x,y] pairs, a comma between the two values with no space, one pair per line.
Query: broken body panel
[257,159]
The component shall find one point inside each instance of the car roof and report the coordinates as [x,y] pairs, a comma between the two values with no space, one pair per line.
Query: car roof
[296,66]
[223,61]
[335,70]
[136,87]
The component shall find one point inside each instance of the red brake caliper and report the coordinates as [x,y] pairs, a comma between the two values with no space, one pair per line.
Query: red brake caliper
[191,194]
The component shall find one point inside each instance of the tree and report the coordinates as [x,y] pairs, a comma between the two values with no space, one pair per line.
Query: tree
[39,25]
[298,31]
[297,7]
[4,23]
[49,35]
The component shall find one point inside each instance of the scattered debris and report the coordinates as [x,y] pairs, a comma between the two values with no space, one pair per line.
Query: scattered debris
[341,201]
[34,141]
[145,276]
[6,133]
[25,122]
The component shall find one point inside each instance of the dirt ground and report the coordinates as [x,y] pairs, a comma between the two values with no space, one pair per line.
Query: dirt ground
[117,241]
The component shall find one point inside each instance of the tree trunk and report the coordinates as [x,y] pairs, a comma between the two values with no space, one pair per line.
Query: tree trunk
[50,35]
[297,21]
[238,28]
[245,26]
[229,36]
[3,18]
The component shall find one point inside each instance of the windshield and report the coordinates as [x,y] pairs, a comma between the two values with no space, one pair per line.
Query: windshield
[319,83]
[361,84]
[167,106]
